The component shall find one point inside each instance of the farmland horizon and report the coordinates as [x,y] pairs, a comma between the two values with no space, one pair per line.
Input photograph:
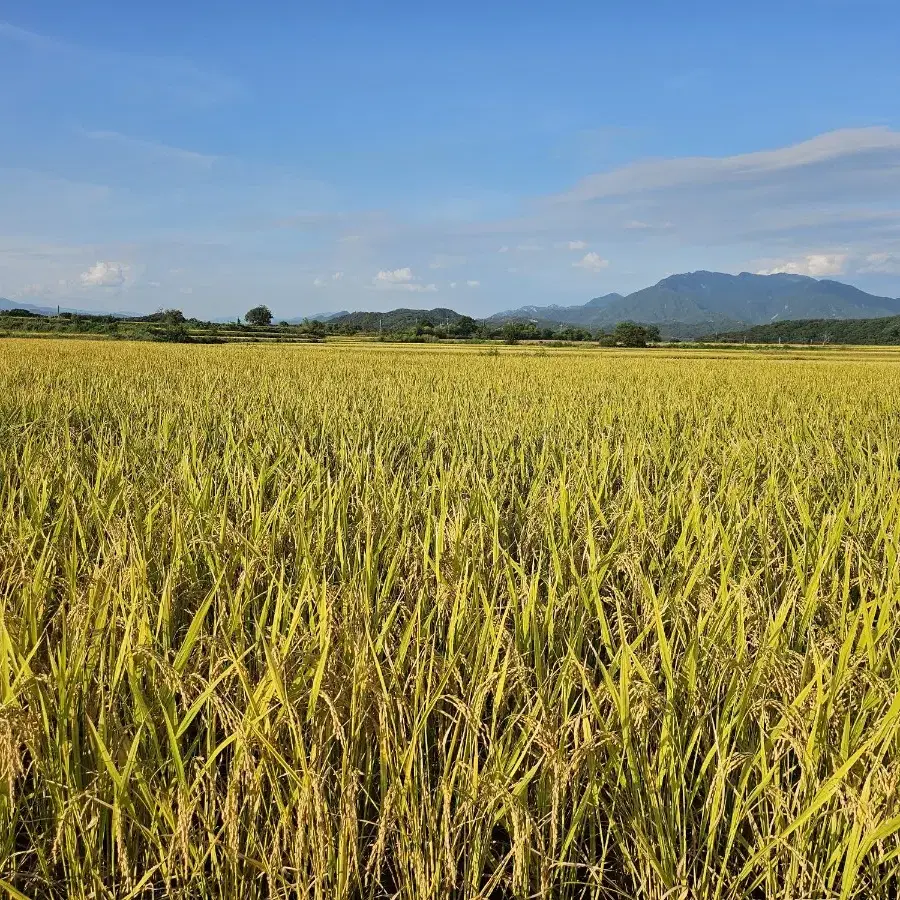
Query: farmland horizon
[493,311]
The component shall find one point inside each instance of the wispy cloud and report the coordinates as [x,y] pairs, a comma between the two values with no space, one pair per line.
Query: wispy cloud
[827,207]
[321,281]
[151,148]
[446,261]
[850,148]
[30,38]
[134,73]
[881,263]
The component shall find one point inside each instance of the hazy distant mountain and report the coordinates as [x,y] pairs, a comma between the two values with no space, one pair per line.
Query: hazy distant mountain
[16,304]
[720,300]
[51,310]
[319,317]
[568,315]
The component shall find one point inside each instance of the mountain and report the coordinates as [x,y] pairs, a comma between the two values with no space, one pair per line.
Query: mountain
[566,315]
[605,300]
[396,319]
[16,304]
[714,301]
[751,299]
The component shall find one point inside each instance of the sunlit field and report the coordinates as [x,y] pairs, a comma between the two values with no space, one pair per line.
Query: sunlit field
[361,621]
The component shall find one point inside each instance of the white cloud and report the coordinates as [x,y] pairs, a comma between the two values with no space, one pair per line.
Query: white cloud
[105,274]
[319,282]
[453,284]
[395,276]
[337,276]
[503,249]
[576,245]
[401,280]
[473,284]
[817,265]
[592,262]
[186,290]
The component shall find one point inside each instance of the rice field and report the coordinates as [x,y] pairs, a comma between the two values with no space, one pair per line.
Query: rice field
[366,622]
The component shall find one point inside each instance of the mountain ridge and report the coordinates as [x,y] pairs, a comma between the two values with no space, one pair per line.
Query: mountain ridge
[719,300]
[6,304]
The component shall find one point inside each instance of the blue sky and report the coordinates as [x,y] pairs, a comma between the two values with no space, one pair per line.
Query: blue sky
[317,157]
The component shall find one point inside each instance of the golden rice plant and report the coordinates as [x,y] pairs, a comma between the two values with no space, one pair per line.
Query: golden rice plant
[363,622]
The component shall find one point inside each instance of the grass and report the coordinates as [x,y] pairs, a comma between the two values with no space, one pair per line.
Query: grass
[358,622]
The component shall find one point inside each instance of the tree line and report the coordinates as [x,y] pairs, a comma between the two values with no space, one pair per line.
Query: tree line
[171,325]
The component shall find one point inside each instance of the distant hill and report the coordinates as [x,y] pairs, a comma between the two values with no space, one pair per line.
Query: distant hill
[17,304]
[318,317]
[882,331]
[396,319]
[5,303]
[714,301]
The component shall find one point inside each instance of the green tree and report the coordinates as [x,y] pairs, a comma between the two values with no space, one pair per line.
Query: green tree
[513,332]
[259,315]
[465,327]
[167,317]
[630,334]
[314,328]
